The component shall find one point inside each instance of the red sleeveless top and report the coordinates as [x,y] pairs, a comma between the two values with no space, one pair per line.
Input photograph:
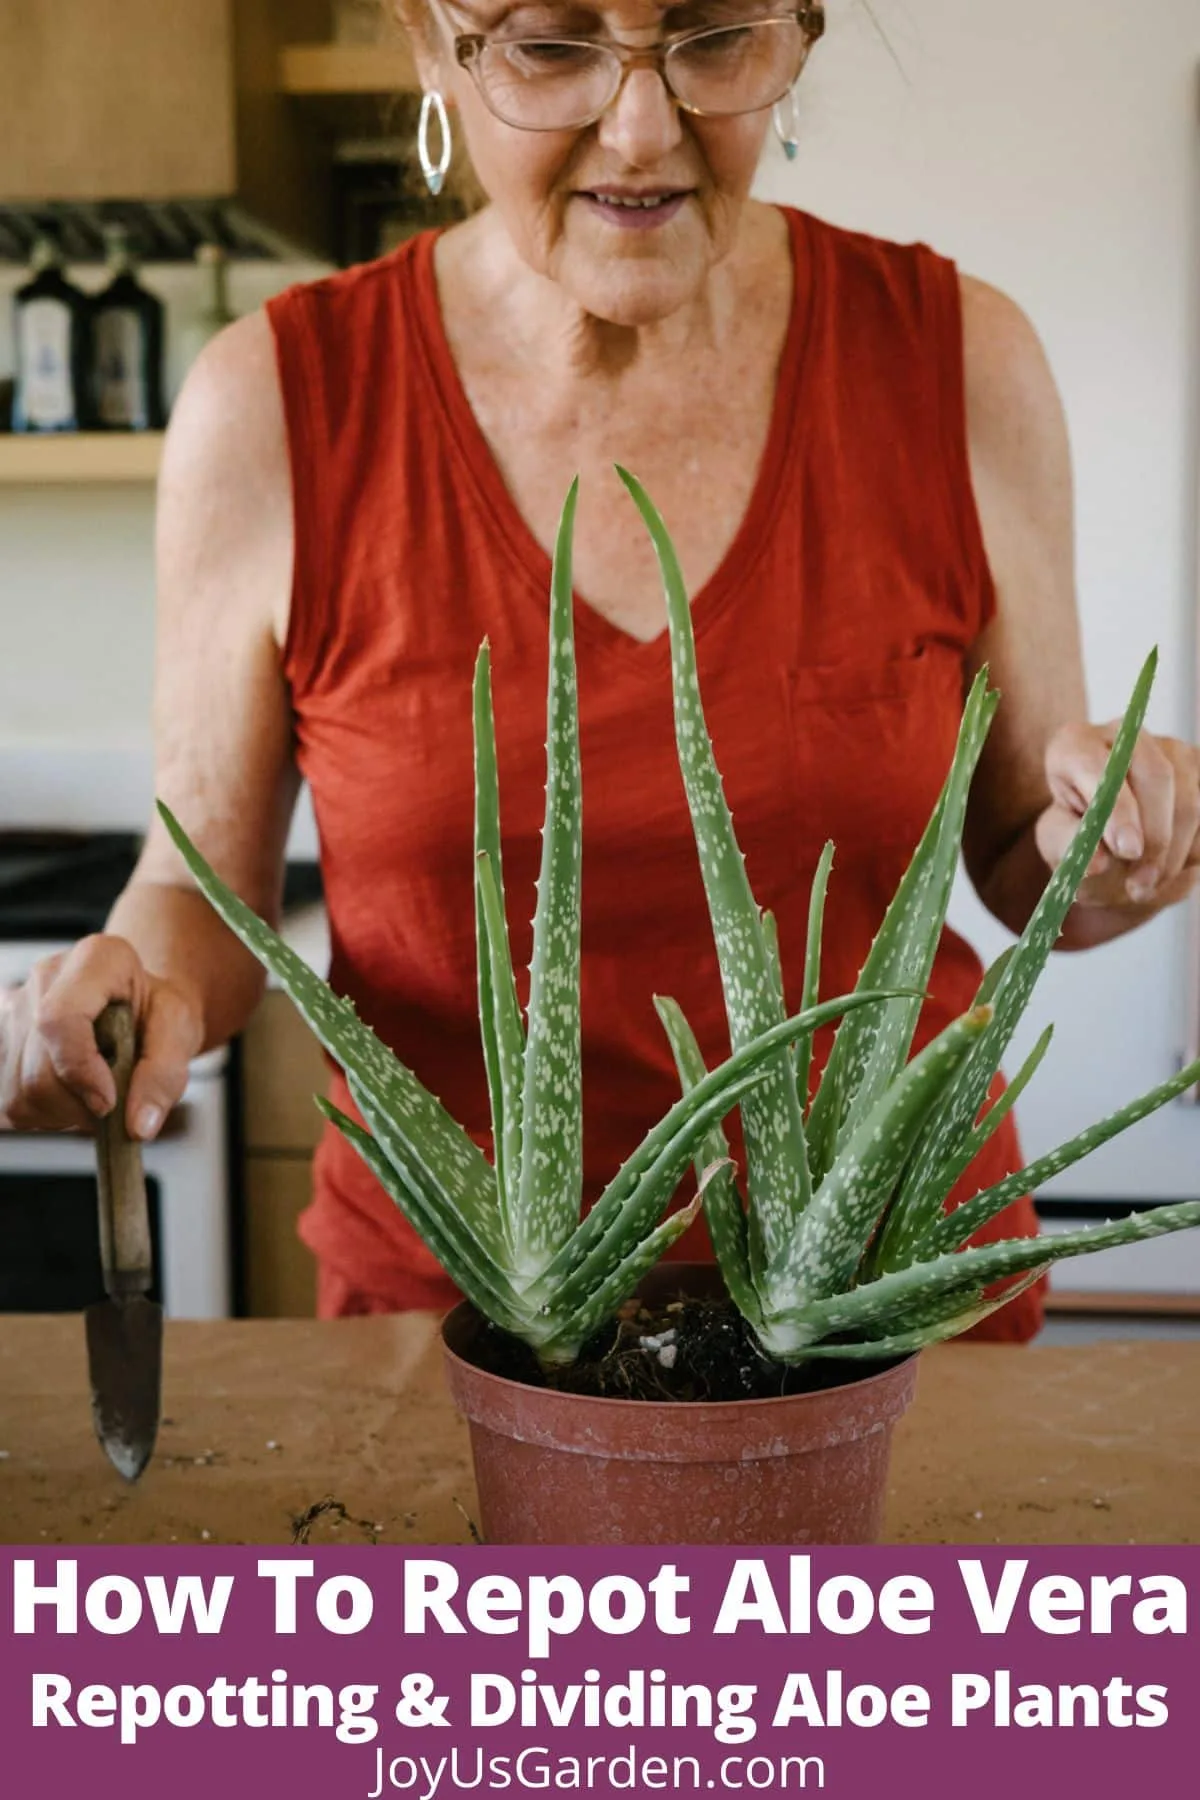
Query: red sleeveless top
[830,643]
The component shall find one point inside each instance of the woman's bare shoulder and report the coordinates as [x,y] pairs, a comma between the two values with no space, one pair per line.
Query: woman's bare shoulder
[1014,415]
[224,500]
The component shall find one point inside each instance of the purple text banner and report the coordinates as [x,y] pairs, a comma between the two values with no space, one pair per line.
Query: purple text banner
[364,1673]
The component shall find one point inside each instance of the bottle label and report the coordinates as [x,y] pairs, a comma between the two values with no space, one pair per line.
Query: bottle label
[47,398]
[120,385]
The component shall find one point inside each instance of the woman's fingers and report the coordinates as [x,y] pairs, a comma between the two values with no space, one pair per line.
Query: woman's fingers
[1106,880]
[1152,780]
[1075,759]
[41,1102]
[52,1075]
[1184,846]
[96,971]
[170,1036]
[1155,822]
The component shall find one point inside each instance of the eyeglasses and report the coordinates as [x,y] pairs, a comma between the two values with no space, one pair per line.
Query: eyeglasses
[564,84]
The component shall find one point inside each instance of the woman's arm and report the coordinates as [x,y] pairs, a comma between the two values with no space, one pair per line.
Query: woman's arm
[1042,760]
[223,734]
[223,764]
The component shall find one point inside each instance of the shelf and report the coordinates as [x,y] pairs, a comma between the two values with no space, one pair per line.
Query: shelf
[337,69]
[85,457]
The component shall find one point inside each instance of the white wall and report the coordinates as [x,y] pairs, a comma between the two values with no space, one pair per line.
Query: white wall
[1052,149]
[1055,151]
[76,566]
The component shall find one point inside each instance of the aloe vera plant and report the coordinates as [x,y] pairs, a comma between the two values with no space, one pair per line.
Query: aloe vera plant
[508,1232]
[845,1249]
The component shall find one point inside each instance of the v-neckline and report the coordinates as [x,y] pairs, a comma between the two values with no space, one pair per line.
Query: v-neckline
[754,530]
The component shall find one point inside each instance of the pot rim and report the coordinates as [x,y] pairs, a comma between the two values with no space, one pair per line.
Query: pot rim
[693,1408]
[691,1431]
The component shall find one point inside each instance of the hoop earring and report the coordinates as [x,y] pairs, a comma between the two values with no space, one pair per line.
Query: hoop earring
[786,117]
[434,172]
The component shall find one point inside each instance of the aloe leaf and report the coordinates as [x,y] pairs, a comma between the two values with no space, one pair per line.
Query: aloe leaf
[665,1136]
[996,1114]
[881,1302]
[990,1123]
[937,1160]
[617,1287]
[505,1033]
[920,1337]
[773,1124]
[956,1227]
[409,1154]
[992,976]
[647,1202]
[771,940]
[394,1091]
[487,843]
[723,1209]
[837,1228]
[812,966]
[868,1052]
[467,1266]
[551,1185]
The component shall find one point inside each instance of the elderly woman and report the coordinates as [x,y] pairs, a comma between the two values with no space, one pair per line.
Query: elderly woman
[863,461]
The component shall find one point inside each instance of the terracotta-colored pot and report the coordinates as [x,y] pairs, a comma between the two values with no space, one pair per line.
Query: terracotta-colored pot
[555,1468]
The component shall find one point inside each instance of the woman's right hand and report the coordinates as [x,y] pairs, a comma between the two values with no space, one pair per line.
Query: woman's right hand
[52,1075]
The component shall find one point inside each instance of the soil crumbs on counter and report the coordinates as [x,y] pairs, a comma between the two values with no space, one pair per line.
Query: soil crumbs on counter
[684,1349]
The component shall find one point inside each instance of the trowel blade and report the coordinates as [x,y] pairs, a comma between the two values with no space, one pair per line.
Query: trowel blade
[124,1345]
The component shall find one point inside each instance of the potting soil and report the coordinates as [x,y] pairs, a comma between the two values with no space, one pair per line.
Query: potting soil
[683,1349]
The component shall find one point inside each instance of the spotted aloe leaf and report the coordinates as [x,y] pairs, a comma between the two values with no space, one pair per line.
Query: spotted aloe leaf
[723,1208]
[886,1304]
[868,1052]
[812,966]
[641,1206]
[953,1229]
[941,1156]
[670,1145]
[772,1121]
[551,1184]
[982,1134]
[992,977]
[954,1319]
[466,1176]
[500,1022]
[833,1235]
[605,1299]
[503,1038]
[999,1110]
[461,1257]
[771,940]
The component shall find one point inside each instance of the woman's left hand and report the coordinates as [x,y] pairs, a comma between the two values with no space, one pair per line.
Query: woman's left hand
[1150,853]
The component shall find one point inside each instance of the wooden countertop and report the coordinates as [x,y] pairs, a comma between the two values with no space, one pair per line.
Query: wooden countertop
[266,1419]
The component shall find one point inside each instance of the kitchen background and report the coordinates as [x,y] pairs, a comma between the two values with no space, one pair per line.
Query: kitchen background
[1053,150]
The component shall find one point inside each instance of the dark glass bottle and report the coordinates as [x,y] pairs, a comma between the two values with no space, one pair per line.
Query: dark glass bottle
[126,387]
[51,332]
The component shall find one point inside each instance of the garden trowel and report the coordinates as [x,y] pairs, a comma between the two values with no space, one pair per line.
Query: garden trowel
[124,1331]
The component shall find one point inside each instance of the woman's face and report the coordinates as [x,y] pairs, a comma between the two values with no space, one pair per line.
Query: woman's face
[560,193]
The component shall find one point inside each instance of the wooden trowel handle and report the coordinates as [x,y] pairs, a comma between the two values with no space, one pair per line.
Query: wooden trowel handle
[125,1249]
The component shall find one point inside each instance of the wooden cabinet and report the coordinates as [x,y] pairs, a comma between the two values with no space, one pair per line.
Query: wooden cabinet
[134,100]
[281,1280]
[282,1069]
[116,98]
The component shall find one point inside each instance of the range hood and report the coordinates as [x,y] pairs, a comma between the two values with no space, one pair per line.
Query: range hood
[166,116]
